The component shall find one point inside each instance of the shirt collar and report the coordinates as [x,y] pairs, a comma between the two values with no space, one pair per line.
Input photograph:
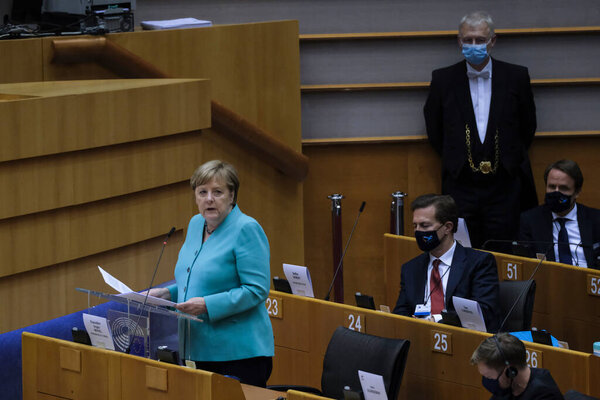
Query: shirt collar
[488,67]
[446,258]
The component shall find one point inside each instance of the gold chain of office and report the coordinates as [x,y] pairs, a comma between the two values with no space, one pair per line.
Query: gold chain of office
[485,167]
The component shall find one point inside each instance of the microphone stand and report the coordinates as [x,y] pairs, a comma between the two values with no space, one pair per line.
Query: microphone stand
[360,210]
[132,333]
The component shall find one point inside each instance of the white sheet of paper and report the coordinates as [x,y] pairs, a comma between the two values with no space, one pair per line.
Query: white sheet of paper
[372,386]
[469,313]
[299,279]
[97,328]
[130,294]
[462,233]
[114,282]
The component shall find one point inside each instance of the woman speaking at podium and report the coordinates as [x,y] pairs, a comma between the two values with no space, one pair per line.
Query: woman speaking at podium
[222,275]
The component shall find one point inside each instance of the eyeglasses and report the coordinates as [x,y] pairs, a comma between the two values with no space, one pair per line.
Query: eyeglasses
[475,40]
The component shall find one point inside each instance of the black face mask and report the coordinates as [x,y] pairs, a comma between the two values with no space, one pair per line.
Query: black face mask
[427,240]
[493,386]
[557,201]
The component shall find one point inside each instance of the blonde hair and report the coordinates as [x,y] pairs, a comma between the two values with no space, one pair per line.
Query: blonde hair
[220,171]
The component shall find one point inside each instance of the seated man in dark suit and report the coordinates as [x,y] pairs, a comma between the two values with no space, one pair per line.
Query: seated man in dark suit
[571,228]
[446,268]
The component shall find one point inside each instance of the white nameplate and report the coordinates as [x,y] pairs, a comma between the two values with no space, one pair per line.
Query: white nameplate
[97,328]
[372,386]
[299,279]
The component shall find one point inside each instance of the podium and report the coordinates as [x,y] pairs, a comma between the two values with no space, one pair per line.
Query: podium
[138,328]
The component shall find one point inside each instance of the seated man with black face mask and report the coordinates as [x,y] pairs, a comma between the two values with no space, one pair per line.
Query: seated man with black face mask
[571,228]
[446,268]
[501,361]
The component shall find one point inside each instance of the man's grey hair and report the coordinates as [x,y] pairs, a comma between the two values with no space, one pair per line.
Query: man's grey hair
[476,18]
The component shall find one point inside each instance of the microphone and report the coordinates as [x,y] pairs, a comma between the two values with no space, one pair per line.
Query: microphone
[360,210]
[132,334]
[526,288]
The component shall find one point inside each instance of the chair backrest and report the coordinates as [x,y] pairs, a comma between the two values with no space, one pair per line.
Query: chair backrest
[520,318]
[349,351]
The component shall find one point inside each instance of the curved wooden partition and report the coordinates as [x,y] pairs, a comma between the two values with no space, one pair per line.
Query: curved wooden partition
[128,65]
[96,172]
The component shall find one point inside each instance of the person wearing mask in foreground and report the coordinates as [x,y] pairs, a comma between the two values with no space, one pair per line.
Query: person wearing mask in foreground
[501,361]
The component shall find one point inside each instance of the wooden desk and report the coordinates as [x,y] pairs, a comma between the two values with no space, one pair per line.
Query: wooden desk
[54,369]
[562,305]
[438,361]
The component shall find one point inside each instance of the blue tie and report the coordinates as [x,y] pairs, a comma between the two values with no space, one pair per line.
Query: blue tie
[564,251]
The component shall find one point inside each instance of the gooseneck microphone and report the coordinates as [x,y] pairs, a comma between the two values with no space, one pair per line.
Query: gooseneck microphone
[132,333]
[360,210]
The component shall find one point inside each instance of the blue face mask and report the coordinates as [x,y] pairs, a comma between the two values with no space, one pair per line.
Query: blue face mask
[475,54]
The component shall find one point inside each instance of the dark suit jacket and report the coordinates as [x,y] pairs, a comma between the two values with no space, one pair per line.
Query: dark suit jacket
[473,275]
[512,112]
[536,225]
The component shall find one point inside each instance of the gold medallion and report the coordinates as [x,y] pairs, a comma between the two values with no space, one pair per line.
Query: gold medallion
[485,167]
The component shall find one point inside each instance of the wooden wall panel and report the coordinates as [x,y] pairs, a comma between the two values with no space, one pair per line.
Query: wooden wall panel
[371,171]
[68,116]
[46,293]
[361,172]
[107,192]
[14,52]
[253,68]
[83,176]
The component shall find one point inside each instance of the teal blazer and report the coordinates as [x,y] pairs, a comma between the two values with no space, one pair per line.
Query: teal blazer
[231,271]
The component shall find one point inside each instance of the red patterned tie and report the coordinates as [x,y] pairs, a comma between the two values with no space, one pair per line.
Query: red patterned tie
[436,289]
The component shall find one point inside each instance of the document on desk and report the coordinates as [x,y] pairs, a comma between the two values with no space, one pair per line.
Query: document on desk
[469,312]
[372,385]
[299,279]
[127,293]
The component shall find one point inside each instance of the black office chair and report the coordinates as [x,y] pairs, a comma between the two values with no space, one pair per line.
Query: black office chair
[349,351]
[520,317]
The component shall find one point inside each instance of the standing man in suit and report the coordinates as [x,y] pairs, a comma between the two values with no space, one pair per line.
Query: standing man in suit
[480,118]
[571,228]
[446,268]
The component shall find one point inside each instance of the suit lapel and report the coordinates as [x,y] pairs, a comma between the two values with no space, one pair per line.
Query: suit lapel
[585,232]
[497,100]
[456,271]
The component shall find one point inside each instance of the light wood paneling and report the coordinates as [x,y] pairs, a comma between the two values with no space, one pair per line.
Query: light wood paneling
[68,116]
[80,177]
[13,69]
[371,173]
[51,291]
[445,375]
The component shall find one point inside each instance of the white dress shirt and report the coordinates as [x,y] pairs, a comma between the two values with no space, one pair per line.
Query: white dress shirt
[481,96]
[572,226]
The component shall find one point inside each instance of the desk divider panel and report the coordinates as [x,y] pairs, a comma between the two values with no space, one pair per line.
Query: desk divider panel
[438,361]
